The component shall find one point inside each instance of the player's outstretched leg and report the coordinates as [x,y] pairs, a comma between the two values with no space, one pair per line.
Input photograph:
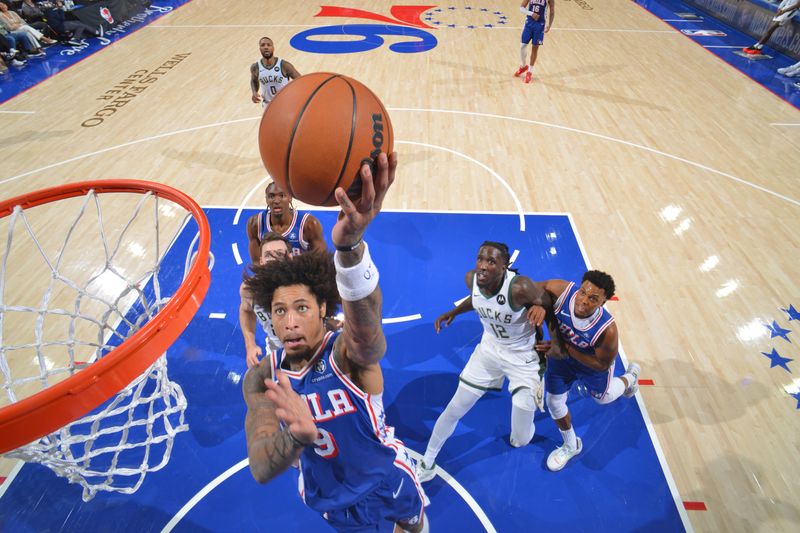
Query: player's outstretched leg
[632,376]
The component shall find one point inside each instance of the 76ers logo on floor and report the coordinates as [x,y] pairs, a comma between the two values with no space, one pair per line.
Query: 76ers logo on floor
[406,24]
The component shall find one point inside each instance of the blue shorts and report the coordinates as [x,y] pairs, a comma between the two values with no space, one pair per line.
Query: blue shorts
[561,373]
[399,498]
[533,31]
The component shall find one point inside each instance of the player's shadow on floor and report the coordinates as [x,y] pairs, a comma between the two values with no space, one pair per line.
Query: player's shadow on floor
[218,161]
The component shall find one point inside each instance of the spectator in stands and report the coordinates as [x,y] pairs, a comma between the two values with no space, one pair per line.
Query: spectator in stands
[8,50]
[25,40]
[69,31]
[786,11]
[16,26]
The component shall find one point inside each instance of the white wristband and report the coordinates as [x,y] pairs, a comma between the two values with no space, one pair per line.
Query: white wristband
[358,281]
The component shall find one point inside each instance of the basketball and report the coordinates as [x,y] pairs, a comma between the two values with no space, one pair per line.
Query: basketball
[317,133]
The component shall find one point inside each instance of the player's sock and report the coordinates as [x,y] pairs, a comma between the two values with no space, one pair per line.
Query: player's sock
[463,400]
[757,46]
[569,438]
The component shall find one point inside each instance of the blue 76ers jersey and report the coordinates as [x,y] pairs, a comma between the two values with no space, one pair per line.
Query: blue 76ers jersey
[293,234]
[355,448]
[536,6]
[581,334]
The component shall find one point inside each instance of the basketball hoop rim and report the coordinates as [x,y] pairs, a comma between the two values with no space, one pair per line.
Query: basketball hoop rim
[54,407]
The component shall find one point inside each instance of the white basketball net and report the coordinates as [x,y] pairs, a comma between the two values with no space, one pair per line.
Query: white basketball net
[78,314]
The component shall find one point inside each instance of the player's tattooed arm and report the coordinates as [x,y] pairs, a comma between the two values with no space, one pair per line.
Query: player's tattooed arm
[289,71]
[254,83]
[269,449]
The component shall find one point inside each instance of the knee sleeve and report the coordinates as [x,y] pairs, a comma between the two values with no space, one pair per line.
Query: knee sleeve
[557,404]
[528,398]
[614,391]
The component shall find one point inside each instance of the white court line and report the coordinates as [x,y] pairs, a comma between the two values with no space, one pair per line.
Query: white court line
[247,198]
[14,471]
[683,20]
[217,315]
[721,45]
[607,138]
[489,115]
[19,112]
[503,182]
[458,302]
[461,491]
[618,30]
[235,247]
[645,415]
[513,257]
[398,319]
[450,480]
[203,493]
[789,124]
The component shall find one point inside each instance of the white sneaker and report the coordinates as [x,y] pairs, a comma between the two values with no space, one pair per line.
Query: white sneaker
[633,388]
[784,70]
[17,63]
[559,457]
[424,473]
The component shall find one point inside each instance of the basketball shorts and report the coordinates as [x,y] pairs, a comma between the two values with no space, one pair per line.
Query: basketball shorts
[783,19]
[399,498]
[561,373]
[533,31]
[490,364]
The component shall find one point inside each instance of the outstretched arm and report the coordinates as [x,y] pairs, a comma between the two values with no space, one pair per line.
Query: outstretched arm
[356,275]
[254,83]
[463,306]
[247,323]
[270,449]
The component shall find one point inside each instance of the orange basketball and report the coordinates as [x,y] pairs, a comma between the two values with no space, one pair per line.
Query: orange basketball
[318,131]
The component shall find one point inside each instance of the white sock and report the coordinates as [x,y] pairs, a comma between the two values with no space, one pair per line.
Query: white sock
[758,46]
[570,440]
[462,401]
[522,426]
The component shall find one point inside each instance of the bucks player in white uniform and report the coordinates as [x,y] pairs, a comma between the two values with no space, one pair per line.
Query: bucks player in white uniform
[269,73]
[504,301]
[273,246]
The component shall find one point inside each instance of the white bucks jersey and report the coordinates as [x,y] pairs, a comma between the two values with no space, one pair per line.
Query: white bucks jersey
[272,80]
[273,343]
[502,324]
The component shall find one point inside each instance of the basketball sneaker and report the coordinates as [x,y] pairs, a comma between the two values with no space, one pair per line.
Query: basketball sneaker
[752,51]
[633,388]
[528,77]
[424,473]
[520,70]
[559,457]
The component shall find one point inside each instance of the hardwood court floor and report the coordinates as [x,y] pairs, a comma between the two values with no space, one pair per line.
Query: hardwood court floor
[667,158]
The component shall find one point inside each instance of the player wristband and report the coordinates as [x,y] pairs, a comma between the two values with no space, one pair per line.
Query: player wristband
[358,281]
[349,248]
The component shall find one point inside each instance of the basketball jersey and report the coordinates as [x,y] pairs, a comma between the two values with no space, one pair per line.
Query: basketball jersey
[293,234]
[355,448]
[273,342]
[581,333]
[536,6]
[272,80]
[502,324]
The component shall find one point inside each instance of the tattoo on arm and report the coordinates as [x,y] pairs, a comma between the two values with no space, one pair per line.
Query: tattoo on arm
[270,449]
[254,77]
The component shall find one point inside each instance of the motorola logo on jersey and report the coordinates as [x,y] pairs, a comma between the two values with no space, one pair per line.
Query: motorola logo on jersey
[501,299]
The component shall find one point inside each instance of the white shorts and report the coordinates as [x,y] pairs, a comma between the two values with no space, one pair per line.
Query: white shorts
[490,364]
[785,17]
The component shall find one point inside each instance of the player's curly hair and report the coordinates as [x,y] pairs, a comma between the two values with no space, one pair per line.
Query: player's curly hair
[601,280]
[315,270]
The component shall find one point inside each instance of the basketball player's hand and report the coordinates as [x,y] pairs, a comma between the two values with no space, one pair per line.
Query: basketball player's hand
[536,315]
[291,409]
[253,355]
[256,98]
[549,349]
[447,318]
[356,215]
